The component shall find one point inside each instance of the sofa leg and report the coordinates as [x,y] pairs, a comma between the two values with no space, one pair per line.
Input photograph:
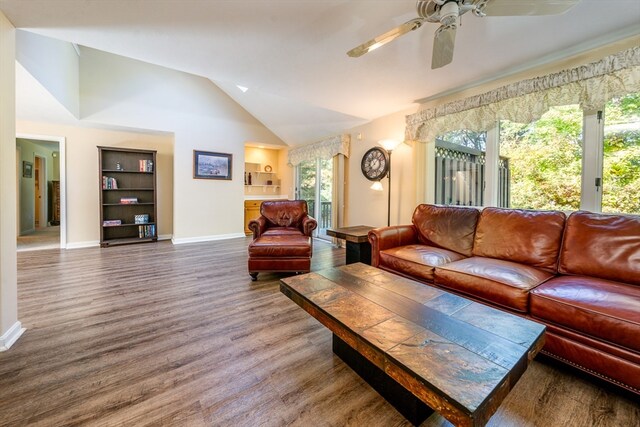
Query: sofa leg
[254,276]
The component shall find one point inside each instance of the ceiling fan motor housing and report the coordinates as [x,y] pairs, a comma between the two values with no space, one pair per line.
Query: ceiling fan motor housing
[445,12]
[449,13]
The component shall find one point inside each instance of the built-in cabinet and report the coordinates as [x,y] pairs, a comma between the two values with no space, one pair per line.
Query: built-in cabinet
[127,196]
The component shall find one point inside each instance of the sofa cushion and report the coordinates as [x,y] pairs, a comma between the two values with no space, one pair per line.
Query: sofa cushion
[280,246]
[522,236]
[500,282]
[416,260]
[595,307]
[448,227]
[604,246]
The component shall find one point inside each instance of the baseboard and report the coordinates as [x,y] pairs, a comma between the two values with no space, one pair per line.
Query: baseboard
[11,336]
[165,237]
[207,238]
[80,245]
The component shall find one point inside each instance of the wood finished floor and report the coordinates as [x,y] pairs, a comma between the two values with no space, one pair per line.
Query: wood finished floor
[168,335]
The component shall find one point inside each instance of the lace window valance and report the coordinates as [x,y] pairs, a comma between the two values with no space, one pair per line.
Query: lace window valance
[590,85]
[324,149]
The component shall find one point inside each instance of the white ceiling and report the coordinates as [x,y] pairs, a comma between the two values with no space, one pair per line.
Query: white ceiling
[291,54]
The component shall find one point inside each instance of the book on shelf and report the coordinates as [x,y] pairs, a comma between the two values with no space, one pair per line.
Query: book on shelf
[111,222]
[141,219]
[145,165]
[109,183]
[147,231]
[128,200]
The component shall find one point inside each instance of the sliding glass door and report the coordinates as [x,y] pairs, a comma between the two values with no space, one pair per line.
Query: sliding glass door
[314,183]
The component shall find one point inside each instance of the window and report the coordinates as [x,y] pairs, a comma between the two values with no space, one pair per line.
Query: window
[460,170]
[544,160]
[621,155]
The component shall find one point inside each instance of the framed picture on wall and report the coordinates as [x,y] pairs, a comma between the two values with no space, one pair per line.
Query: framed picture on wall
[208,165]
[27,169]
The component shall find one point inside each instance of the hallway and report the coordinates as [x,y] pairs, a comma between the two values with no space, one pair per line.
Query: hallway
[42,238]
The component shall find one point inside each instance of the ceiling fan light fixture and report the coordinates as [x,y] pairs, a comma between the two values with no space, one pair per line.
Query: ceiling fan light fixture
[385,38]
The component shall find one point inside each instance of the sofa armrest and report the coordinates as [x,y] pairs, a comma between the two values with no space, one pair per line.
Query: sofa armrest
[308,225]
[390,237]
[258,226]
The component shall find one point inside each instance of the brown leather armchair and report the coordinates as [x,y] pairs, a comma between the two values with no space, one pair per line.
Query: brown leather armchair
[281,238]
[283,217]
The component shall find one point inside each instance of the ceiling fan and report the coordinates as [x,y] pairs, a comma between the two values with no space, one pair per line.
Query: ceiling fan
[446,13]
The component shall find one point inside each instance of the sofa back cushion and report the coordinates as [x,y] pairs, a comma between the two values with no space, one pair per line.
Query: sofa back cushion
[522,236]
[603,246]
[284,213]
[448,227]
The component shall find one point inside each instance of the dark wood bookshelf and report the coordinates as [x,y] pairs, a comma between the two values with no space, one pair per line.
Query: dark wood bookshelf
[123,164]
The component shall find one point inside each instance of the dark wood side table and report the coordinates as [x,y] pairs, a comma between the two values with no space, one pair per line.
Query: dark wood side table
[358,246]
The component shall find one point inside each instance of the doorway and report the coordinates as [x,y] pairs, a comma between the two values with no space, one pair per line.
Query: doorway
[40,192]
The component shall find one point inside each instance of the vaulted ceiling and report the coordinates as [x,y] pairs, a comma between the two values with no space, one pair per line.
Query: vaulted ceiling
[291,54]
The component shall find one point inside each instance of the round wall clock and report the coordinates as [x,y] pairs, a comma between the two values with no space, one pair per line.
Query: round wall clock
[375,164]
[267,168]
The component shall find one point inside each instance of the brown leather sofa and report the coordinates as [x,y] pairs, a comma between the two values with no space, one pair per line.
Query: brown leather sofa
[281,238]
[580,275]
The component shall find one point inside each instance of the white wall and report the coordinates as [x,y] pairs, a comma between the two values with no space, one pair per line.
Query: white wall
[54,64]
[10,328]
[369,207]
[83,179]
[119,91]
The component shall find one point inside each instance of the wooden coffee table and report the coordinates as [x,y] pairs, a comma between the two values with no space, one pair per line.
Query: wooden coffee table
[358,246]
[419,346]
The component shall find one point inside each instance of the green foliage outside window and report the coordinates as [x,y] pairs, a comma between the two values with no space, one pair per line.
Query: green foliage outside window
[621,165]
[545,158]
[307,180]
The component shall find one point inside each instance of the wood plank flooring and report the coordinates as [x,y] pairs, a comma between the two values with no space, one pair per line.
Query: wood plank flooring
[167,335]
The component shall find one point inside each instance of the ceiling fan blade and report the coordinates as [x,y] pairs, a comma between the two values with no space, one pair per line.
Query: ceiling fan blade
[443,44]
[385,38]
[527,7]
